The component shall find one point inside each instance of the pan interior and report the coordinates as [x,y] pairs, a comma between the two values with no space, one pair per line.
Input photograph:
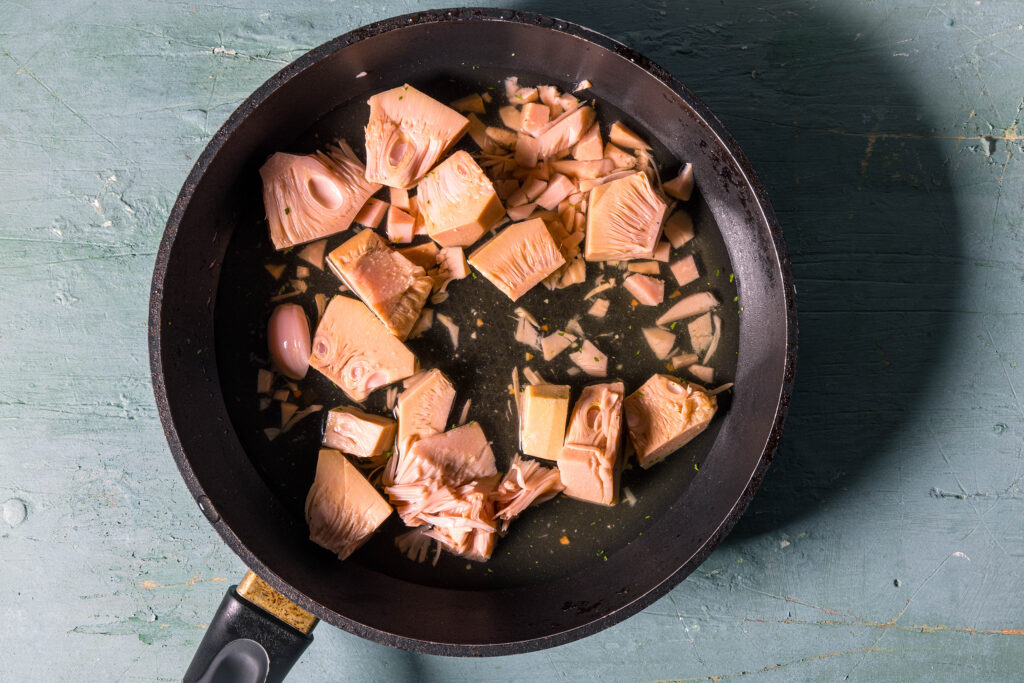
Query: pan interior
[480,368]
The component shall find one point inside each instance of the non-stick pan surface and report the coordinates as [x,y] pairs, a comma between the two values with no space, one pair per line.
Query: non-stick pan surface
[210,301]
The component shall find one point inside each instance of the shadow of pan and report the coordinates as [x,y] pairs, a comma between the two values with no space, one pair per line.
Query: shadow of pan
[862,195]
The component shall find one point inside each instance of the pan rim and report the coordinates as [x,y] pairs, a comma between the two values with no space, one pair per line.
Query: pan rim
[309,59]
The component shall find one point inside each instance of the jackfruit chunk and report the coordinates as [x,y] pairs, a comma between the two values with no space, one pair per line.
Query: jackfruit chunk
[589,460]
[664,414]
[564,132]
[544,409]
[313,196]
[455,457]
[356,352]
[357,433]
[407,133]
[518,258]
[342,507]
[457,202]
[423,407]
[624,220]
[392,286]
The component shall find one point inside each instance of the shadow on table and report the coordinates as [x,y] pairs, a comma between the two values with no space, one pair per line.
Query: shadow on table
[861,191]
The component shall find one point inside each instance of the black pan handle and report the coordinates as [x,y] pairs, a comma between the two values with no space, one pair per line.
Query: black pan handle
[256,637]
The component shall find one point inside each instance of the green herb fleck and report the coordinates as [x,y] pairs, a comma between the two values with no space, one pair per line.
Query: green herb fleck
[640,394]
[673,325]
[735,298]
[732,277]
[513,54]
[474,275]
[289,250]
[647,516]
[596,359]
[401,97]
[695,468]
[287,210]
[718,271]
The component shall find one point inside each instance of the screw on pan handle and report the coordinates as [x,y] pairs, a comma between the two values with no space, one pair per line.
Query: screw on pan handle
[256,637]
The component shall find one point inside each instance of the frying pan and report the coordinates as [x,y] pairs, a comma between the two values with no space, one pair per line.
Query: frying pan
[208,311]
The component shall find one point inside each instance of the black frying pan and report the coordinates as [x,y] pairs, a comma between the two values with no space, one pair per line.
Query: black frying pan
[209,306]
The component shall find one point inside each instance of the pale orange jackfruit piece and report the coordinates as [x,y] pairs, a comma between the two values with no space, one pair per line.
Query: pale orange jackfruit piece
[518,258]
[423,408]
[356,352]
[392,286]
[526,483]
[535,116]
[624,220]
[544,409]
[589,147]
[664,414]
[589,460]
[358,433]
[457,202]
[564,132]
[455,456]
[407,133]
[649,291]
[313,196]
[342,507]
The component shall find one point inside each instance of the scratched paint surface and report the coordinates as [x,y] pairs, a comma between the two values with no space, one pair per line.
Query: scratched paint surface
[886,543]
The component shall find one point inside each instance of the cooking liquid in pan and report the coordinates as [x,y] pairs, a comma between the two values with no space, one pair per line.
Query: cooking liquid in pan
[480,368]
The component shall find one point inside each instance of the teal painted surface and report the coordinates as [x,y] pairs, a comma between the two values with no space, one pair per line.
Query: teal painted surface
[886,544]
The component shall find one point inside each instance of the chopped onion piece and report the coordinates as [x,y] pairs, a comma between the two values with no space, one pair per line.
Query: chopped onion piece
[582,85]
[264,380]
[679,228]
[313,253]
[527,329]
[649,291]
[701,333]
[554,344]
[725,387]
[628,496]
[688,307]
[276,270]
[703,373]
[574,326]
[684,360]
[685,270]
[532,376]
[453,329]
[661,341]
[465,412]
[599,309]
[590,360]
[299,415]
[645,267]
[661,252]
[600,288]
[271,433]
[715,338]
[681,187]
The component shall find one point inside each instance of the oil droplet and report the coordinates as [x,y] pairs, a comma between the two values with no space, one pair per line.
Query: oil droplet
[15,511]
[999,428]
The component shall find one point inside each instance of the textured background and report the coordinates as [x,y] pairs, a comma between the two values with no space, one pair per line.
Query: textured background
[886,542]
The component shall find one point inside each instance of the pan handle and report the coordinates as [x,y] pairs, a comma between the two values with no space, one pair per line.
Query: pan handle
[256,637]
